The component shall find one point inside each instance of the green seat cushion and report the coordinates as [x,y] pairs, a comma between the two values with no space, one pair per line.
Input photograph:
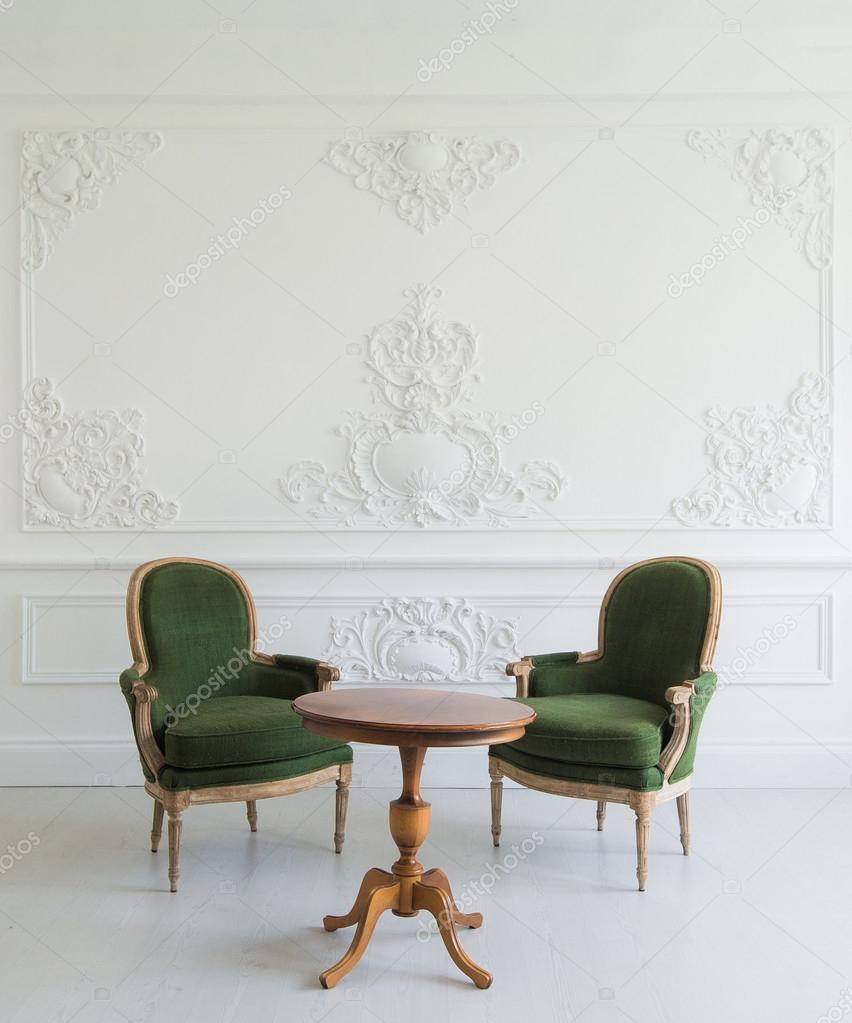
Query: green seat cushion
[178,778]
[602,729]
[228,730]
[649,779]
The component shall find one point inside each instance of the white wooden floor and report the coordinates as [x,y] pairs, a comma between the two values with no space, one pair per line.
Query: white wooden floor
[756,925]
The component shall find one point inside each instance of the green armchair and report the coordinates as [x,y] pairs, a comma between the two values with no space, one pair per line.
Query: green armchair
[212,716]
[620,724]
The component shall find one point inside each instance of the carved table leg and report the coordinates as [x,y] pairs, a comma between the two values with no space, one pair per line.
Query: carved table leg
[157,826]
[374,878]
[438,879]
[407,889]
[441,906]
[379,899]
[251,813]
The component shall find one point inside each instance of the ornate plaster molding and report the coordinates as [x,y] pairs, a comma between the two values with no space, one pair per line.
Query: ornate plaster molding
[768,162]
[64,173]
[421,369]
[428,639]
[82,470]
[424,174]
[768,467]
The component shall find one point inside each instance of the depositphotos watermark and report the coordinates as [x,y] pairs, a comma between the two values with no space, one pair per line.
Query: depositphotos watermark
[222,674]
[6,5]
[726,244]
[473,31]
[15,853]
[486,881]
[840,1008]
[747,657]
[14,422]
[505,433]
[221,244]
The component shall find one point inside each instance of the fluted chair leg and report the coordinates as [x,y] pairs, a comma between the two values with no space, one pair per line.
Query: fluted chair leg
[601,814]
[341,804]
[683,818]
[496,800]
[642,808]
[175,829]
[251,813]
[157,826]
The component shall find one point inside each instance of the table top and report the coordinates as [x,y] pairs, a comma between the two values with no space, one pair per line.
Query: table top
[415,717]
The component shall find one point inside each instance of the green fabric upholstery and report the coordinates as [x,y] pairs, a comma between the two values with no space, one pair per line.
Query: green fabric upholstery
[196,625]
[241,730]
[648,780]
[609,715]
[601,729]
[177,778]
[655,627]
[219,713]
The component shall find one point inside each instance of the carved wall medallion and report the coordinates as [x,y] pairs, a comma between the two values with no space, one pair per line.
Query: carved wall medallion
[82,470]
[428,639]
[768,467]
[425,458]
[767,162]
[424,174]
[64,173]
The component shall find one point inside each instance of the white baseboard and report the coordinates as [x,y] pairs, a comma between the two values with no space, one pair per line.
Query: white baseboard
[47,761]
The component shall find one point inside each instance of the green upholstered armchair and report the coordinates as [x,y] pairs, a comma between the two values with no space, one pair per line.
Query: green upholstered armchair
[620,724]
[213,717]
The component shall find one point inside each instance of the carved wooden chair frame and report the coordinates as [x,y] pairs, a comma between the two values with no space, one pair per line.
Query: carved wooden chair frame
[175,802]
[678,696]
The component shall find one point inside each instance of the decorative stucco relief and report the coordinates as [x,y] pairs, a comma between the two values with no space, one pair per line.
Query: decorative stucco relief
[424,175]
[425,458]
[427,639]
[83,470]
[64,173]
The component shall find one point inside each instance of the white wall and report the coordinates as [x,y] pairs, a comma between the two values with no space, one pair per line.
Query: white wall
[613,414]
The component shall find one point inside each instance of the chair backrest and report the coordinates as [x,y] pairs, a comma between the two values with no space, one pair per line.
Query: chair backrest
[190,622]
[658,625]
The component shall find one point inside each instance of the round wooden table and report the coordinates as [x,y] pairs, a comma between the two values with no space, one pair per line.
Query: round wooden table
[412,719]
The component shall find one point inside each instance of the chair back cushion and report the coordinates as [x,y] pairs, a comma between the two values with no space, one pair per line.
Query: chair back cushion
[196,626]
[655,627]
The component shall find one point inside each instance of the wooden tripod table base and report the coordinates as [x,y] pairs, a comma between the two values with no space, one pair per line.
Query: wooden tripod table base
[382,890]
[412,720]
[406,888]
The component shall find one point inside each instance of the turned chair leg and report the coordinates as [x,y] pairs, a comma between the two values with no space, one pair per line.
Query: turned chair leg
[683,818]
[157,826]
[251,813]
[496,800]
[601,814]
[642,809]
[341,804]
[175,828]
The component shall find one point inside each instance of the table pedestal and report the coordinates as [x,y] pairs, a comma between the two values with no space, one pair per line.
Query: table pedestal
[406,888]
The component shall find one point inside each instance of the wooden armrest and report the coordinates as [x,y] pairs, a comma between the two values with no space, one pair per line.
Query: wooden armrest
[521,670]
[679,697]
[144,695]
[326,674]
